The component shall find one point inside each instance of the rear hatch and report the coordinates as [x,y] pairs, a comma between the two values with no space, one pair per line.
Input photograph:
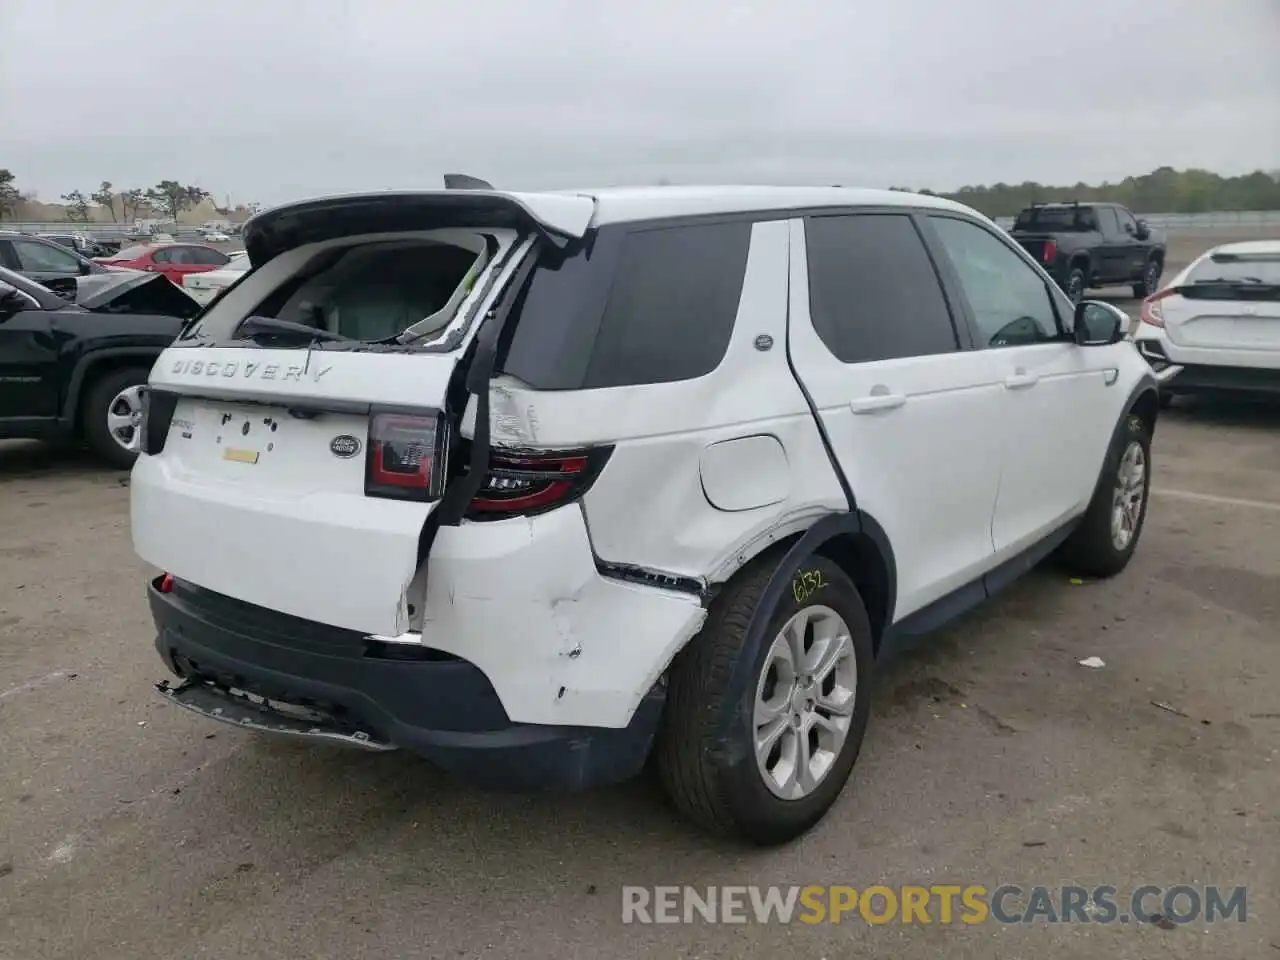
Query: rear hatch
[297,434]
[1228,306]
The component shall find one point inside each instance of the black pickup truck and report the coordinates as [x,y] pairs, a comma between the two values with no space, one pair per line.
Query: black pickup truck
[73,363]
[1084,245]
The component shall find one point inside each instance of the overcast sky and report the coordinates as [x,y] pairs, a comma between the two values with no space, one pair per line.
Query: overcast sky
[270,100]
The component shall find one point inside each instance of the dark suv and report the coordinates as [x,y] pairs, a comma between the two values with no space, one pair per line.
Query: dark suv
[1084,245]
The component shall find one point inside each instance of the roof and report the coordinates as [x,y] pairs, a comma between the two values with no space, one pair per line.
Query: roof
[567,213]
[622,204]
[1247,247]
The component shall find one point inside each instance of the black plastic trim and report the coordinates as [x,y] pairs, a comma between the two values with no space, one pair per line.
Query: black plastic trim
[71,403]
[743,670]
[907,632]
[444,708]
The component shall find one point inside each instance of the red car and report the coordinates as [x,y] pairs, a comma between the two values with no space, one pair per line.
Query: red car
[174,260]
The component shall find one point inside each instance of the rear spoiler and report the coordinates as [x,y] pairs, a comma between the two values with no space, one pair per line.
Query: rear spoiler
[559,217]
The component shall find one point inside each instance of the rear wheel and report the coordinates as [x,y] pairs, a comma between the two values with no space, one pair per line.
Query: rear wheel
[111,418]
[793,732]
[1150,280]
[1108,534]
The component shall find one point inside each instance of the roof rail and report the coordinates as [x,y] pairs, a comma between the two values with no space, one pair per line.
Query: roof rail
[1055,203]
[462,181]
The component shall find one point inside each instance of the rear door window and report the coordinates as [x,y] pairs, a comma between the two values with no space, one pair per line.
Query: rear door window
[208,257]
[632,306]
[873,291]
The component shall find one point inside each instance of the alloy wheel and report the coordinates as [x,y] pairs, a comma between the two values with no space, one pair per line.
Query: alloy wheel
[804,702]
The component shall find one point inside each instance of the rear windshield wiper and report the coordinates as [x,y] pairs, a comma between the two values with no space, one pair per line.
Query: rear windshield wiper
[253,327]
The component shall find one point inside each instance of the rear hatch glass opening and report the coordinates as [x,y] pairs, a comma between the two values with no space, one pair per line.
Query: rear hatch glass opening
[1230,276]
[399,291]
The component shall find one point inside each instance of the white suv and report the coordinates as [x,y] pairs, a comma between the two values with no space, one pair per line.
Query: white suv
[536,485]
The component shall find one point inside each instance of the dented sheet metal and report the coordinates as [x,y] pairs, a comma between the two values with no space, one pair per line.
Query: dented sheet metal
[560,643]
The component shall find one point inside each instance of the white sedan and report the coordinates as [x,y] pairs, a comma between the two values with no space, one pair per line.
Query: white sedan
[1214,328]
[205,286]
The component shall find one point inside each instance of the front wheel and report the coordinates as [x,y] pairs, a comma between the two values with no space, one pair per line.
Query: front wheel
[765,761]
[1108,534]
[111,419]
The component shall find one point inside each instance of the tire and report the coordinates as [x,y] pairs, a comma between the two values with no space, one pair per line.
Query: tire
[719,784]
[104,394]
[1150,281]
[1093,549]
[1075,285]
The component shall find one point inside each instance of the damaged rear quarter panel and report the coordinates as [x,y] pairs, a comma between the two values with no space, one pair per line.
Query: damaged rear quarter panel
[523,601]
[648,508]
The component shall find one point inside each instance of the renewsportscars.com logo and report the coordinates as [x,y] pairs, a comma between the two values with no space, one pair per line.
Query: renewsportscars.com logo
[934,904]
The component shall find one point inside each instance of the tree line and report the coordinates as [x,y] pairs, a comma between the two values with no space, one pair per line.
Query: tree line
[1165,190]
[167,199]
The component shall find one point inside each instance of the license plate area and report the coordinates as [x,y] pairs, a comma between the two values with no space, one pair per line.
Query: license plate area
[267,447]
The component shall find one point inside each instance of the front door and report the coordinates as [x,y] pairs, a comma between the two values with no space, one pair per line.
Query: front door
[1056,408]
[1133,252]
[28,363]
[912,414]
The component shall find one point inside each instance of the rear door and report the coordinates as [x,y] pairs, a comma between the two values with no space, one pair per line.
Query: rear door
[1058,405]
[913,415]
[1111,255]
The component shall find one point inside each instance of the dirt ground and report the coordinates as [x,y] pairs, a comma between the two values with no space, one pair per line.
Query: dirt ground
[130,829]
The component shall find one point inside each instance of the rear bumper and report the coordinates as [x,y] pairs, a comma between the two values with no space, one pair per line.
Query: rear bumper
[376,695]
[1206,379]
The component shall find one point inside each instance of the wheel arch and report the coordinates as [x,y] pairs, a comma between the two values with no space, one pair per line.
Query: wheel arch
[855,542]
[1144,403]
[93,365]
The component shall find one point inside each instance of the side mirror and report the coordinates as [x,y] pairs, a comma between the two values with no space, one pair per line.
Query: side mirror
[1098,324]
[1143,230]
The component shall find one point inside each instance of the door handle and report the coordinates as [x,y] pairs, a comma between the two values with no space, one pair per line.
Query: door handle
[1021,380]
[877,401]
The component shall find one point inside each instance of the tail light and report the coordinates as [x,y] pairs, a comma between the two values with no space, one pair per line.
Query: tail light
[406,455]
[1151,311]
[523,484]
[1050,250]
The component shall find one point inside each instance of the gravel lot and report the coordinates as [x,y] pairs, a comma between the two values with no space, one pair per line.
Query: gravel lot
[134,830]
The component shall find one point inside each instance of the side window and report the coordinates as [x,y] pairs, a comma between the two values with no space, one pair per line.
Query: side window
[672,304]
[1009,299]
[8,258]
[165,255]
[207,256]
[1128,225]
[1107,217]
[44,257]
[873,292]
